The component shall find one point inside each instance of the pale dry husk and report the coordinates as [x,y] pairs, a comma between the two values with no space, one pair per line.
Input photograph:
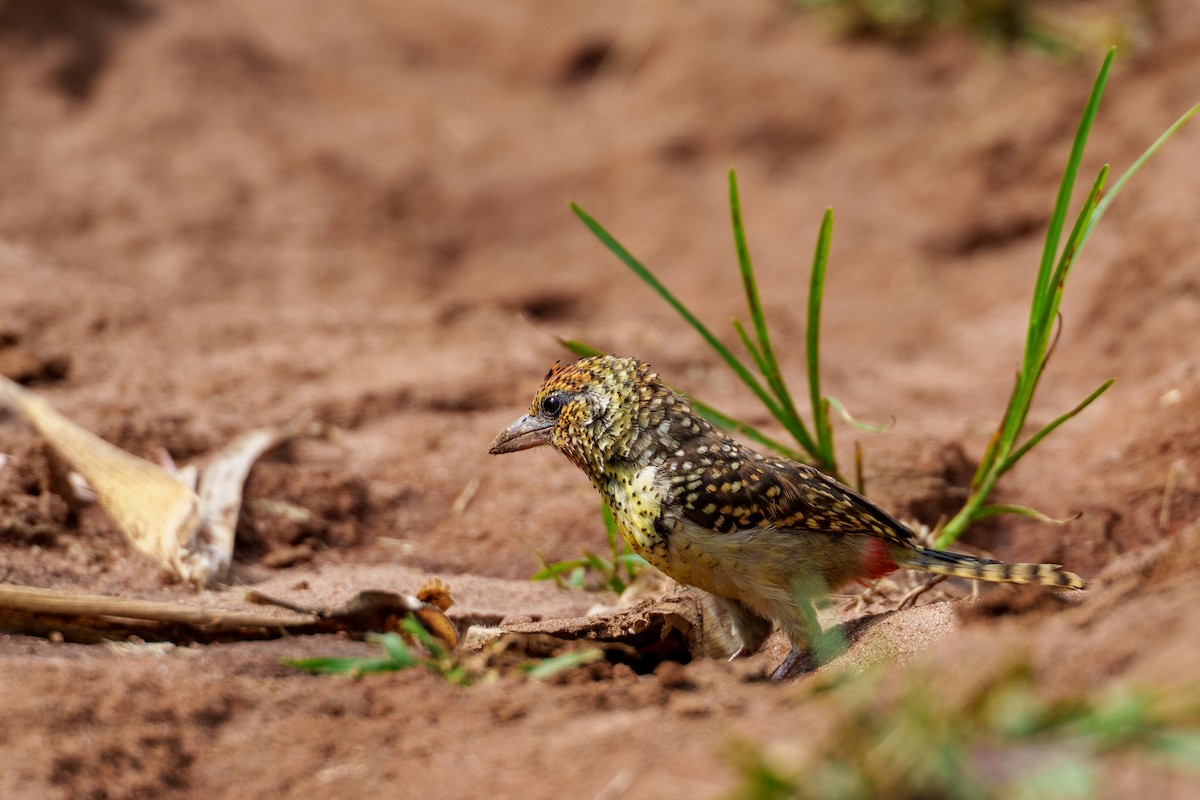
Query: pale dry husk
[189,532]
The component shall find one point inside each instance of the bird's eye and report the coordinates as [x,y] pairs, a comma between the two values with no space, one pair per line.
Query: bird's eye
[552,406]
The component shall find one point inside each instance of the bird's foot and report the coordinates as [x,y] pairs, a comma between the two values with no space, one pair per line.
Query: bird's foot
[798,662]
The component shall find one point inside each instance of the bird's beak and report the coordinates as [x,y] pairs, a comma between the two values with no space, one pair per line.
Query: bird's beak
[523,434]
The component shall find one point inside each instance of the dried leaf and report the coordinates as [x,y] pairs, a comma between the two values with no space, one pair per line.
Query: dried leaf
[209,552]
[157,513]
[191,533]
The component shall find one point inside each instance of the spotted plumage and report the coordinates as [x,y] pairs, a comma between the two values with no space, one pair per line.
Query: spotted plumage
[765,535]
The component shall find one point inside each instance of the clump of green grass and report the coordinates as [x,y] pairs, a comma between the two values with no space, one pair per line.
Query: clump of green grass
[1003,451]
[815,444]
[543,668]
[398,655]
[1004,741]
[616,571]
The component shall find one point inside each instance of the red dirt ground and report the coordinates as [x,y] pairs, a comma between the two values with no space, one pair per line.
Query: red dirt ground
[218,215]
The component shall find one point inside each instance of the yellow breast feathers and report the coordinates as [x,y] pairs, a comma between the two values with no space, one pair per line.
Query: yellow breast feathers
[636,502]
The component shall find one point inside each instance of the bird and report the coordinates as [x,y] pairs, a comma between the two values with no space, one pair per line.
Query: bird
[765,535]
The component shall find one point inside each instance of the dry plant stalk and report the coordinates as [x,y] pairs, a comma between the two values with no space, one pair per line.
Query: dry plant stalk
[190,534]
[92,618]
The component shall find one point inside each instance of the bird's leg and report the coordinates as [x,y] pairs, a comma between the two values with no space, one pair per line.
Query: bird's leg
[798,661]
[810,646]
[749,630]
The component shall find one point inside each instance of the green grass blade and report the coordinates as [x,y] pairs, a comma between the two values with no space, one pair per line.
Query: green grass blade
[1067,186]
[578,577]
[610,526]
[546,572]
[722,420]
[629,560]
[368,666]
[812,339]
[414,628]
[987,462]
[395,646]
[620,555]
[1071,250]
[822,423]
[558,568]
[579,348]
[1129,173]
[765,358]
[599,563]
[398,657]
[751,348]
[854,422]
[990,453]
[548,667]
[993,509]
[1179,747]
[1049,428]
[332,666]
[716,344]
[743,256]
[860,481]
[651,280]
[343,666]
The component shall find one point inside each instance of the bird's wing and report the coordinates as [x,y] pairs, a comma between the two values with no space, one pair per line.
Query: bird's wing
[748,490]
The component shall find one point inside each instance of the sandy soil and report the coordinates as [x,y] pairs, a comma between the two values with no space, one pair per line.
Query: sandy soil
[218,215]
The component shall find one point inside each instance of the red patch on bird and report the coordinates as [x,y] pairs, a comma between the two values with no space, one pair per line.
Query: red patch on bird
[878,560]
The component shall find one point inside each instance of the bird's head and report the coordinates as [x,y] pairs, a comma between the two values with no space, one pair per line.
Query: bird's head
[596,411]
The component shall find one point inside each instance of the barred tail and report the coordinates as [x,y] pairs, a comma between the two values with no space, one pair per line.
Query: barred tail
[940,562]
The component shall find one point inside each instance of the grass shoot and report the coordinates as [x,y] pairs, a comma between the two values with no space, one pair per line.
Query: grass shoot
[616,571]
[1003,450]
